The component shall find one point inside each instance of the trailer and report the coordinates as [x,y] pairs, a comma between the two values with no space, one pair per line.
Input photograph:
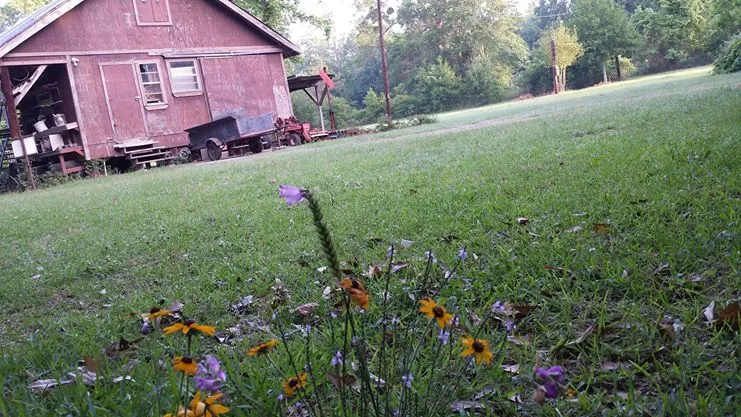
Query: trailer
[234,132]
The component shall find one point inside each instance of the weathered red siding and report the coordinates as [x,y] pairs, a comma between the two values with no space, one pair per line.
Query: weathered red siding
[98,34]
[110,25]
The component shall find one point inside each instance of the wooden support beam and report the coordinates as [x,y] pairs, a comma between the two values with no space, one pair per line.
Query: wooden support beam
[6,86]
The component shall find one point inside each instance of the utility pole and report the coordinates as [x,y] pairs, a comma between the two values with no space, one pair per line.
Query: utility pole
[383,61]
[554,60]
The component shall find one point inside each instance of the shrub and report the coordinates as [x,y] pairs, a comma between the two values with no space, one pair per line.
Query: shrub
[729,59]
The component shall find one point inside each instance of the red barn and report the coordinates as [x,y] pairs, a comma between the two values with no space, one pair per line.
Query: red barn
[134,74]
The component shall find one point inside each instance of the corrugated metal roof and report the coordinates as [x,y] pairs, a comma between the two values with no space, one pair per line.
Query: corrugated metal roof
[28,21]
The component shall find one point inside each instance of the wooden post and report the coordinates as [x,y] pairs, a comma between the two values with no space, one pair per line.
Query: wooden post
[15,128]
[617,67]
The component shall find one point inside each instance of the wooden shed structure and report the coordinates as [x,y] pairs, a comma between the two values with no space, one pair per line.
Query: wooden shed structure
[129,76]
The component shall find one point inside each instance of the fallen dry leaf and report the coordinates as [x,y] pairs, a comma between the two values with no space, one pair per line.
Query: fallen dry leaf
[709,312]
[602,228]
[523,220]
[520,340]
[609,366]
[575,229]
[513,369]
[306,309]
[322,269]
[516,399]
[374,271]
[398,267]
[338,381]
[730,315]
[556,270]
[539,396]
[448,239]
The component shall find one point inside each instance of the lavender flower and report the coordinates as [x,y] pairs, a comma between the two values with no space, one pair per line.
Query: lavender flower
[444,337]
[209,376]
[407,380]
[463,254]
[430,257]
[292,194]
[337,359]
[550,378]
[498,307]
[395,321]
[509,325]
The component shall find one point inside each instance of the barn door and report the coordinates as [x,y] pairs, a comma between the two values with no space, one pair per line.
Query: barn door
[124,101]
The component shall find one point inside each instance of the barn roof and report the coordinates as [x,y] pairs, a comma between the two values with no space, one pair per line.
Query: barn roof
[36,21]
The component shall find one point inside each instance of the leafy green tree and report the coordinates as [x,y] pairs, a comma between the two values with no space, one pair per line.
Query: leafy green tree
[605,30]
[16,9]
[729,59]
[438,87]
[279,14]
[724,21]
[568,50]
[673,30]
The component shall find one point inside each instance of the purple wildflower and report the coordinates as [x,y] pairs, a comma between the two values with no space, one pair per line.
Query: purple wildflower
[292,194]
[395,321]
[550,377]
[463,254]
[498,307]
[209,375]
[430,257]
[337,359]
[509,325]
[444,337]
[407,380]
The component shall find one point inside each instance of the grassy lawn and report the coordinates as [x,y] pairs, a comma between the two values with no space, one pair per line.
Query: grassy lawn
[658,159]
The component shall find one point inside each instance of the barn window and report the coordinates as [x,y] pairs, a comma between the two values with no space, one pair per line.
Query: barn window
[184,78]
[151,80]
[152,12]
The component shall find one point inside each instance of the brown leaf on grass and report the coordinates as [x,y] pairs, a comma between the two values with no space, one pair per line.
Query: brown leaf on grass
[90,364]
[518,311]
[539,396]
[465,406]
[667,330]
[306,309]
[123,345]
[374,271]
[398,267]
[523,221]
[448,239]
[338,381]
[709,312]
[557,270]
[513,369]
[609,366]
[520,340]
[730,315]
[602,228]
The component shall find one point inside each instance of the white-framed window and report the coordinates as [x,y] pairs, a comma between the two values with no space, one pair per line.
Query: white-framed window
[151,83]
[184,77]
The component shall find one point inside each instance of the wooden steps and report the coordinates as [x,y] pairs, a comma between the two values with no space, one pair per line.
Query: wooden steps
[145,154]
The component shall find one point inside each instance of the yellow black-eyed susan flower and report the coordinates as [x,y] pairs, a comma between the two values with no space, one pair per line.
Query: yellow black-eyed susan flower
[478,348]
[207,407]
[185,364]
[156,313]
[434,311]
[189,326]
[294,384]
[262,348]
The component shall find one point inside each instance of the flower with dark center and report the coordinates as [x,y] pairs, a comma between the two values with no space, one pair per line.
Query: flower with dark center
[292,195]
[294,384]
[156,313]
[188,326]
[434,311]
[477,348]
[209,376]
[262,348]
[185,364]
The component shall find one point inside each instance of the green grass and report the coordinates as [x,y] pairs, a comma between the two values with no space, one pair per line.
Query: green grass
[658,158]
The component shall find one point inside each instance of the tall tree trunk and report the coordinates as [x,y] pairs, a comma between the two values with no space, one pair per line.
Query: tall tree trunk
[563,79]
[617,66]
[556,83]
[604,71]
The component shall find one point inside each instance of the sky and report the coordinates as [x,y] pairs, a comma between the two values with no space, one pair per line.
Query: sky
[344,15]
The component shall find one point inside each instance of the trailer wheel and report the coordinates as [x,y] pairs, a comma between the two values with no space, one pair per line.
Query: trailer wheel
[213,150]
[256,145]
[295,139]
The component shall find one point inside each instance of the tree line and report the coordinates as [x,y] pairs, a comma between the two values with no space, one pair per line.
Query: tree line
[448,54]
